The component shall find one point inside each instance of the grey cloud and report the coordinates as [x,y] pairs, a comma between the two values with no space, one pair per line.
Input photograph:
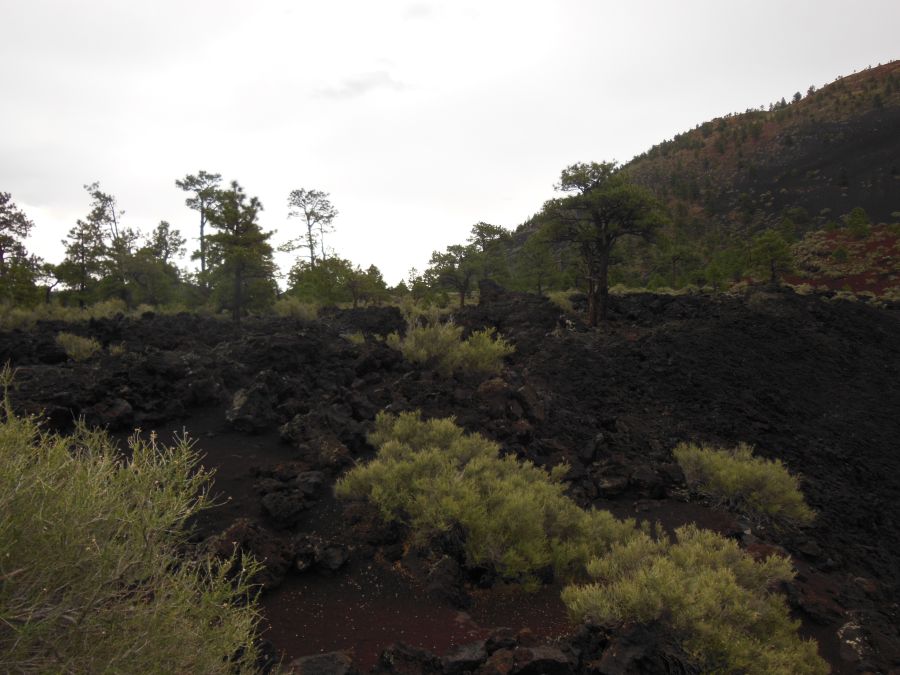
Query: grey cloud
[419,10]
[354,87]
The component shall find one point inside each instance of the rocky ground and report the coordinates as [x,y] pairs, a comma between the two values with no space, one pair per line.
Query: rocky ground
[281,408]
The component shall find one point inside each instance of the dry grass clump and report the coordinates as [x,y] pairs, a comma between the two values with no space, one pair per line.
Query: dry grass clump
[757,486]
[76,347]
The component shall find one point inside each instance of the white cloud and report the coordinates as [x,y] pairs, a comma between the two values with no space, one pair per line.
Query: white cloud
[419,118]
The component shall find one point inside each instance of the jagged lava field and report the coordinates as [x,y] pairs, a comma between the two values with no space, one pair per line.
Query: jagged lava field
[282,407]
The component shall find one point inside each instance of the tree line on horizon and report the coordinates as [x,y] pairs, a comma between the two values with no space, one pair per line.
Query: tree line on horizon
[105,259]
[603,229]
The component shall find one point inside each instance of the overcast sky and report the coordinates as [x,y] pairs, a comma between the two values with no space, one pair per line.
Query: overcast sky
[420,118]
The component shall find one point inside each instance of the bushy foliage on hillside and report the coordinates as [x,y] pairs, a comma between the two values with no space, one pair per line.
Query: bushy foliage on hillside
[433,476]
[433,341]
[294,308]
[91,559]
[717,598]
[76,347]
[760,487]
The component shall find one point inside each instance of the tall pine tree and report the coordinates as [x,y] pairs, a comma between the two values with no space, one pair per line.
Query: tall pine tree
[241,269]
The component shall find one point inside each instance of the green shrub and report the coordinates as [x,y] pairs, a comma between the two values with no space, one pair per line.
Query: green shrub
[759,487]
[439,343]
[108,308]
[76,347]
[803,289]
[428,343]
[26,317]
[291,307]
[483,353]
[715,597]
[422,312]
[94,578]
[562,299]
[356,337]
[433,476]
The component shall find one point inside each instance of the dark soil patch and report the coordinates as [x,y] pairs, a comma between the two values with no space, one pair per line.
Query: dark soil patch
[371,606]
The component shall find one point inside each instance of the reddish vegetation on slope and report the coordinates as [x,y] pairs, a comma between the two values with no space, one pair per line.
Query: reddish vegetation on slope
[872,262]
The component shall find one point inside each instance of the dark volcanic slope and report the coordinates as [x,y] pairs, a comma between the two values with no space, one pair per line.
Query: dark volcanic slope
[813,382]
[835,149]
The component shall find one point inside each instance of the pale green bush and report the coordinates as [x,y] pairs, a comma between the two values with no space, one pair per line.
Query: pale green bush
[760,487]
[76,347]
[515,516]
[482,352]
[107,308]
[562,299]
[26,317]
[356,337]
[440,343]
[426,343]
[291,307]
[94,575]
[418,312]
[803,289]
[716,598]
[12,317]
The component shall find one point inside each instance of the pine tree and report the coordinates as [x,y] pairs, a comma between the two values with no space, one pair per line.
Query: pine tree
[603,208]
[240,256]
[83,264]
[204,187]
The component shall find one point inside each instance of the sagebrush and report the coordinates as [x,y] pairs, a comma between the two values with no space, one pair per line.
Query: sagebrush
[76,347]
[515,516]
[95,576]
[294,308]
[759,487]
[12,316]
[718,600]
[440,343]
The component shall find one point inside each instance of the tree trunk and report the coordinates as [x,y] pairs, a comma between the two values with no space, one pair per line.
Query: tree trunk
[202,248]
[592,301]
[462,298]
[238,295]
[602,288]
[82,284]
[311,243]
